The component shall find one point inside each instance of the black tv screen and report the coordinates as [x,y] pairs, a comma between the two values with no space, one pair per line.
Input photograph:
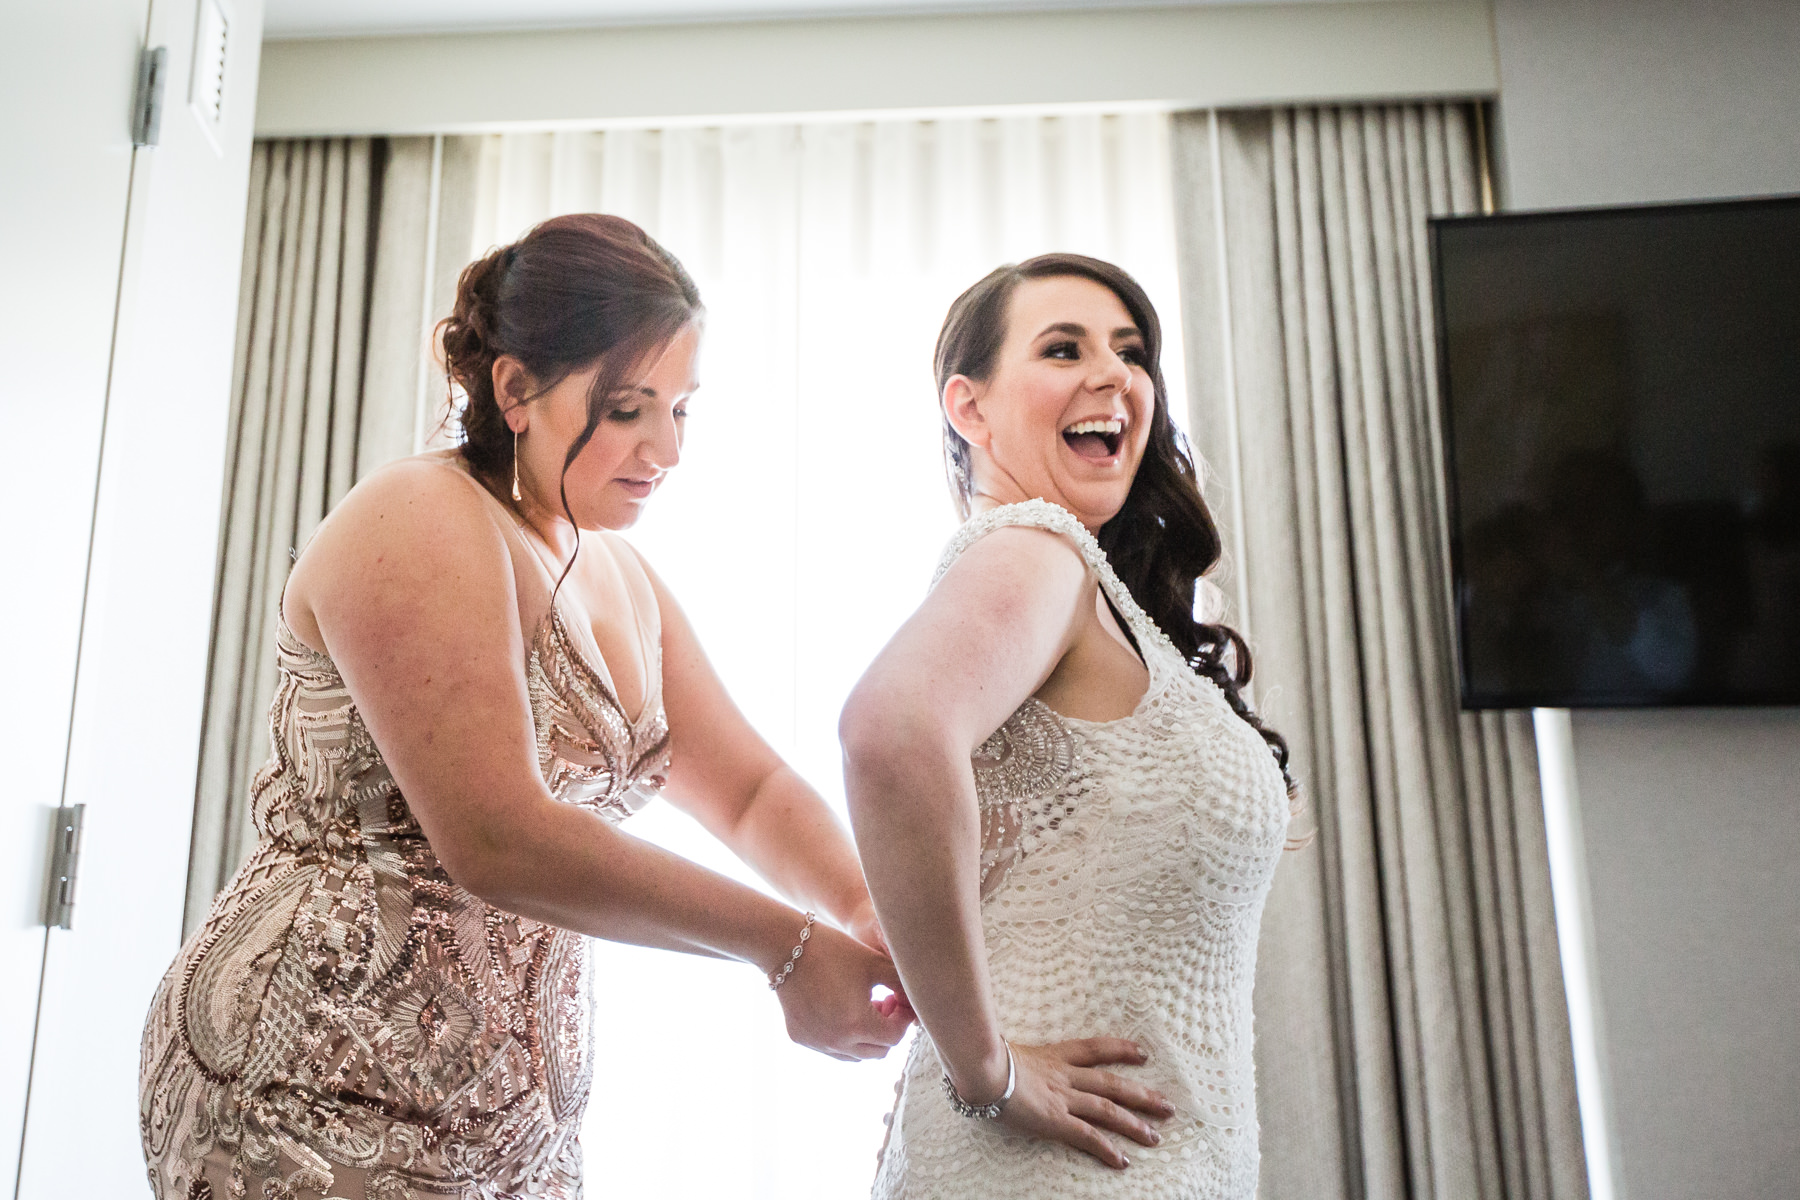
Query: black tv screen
[1621,397]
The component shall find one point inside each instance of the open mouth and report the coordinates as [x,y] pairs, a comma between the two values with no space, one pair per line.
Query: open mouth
[1098,439]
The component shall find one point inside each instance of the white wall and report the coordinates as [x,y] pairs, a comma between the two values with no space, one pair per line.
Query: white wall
[1690,819]
[1194,57]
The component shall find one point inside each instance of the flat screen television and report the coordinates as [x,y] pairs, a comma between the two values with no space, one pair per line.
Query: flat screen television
[1621,401]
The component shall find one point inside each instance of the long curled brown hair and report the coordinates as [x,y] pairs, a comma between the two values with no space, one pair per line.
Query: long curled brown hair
[1163,539]
[576,290]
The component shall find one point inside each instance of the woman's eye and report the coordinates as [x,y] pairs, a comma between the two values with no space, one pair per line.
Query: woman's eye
[1135,356]
[1062,350]
[681,414]
[623,414]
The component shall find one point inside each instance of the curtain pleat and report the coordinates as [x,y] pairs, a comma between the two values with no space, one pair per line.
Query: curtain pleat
[317,403]
[425,210]
[1413,1039]
[305,256]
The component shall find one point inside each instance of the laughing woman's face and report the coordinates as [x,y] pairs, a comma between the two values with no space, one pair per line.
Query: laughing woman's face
[1065,414]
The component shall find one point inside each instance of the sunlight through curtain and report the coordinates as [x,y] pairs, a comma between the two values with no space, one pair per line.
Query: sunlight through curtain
[804,522]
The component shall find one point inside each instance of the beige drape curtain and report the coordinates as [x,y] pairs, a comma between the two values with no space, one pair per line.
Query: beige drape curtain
[331,380]
[1412,1035]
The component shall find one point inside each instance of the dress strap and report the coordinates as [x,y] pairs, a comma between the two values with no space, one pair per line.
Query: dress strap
[1042,514]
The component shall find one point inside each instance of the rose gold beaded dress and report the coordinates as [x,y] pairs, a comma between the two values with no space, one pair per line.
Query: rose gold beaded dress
[349,1023]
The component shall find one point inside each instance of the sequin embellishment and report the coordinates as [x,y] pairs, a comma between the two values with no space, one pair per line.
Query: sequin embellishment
[349,1021]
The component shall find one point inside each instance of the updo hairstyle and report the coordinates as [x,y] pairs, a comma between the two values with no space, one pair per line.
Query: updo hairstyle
[1164,538]
[576,290]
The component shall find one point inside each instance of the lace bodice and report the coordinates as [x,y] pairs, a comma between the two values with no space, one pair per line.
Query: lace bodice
[1125,864]
[349,1021]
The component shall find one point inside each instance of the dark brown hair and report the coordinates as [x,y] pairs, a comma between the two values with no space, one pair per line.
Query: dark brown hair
[1163,539]
[576,290]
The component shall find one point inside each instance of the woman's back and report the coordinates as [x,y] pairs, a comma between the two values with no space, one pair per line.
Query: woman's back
[1124,868]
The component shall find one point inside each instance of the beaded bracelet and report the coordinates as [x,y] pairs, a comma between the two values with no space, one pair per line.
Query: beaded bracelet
[777,978]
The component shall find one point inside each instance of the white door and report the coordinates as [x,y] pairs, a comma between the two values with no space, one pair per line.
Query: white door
[117,430]
[65,166]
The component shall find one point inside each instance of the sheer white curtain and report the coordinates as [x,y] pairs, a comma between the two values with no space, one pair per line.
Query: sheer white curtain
[804,521]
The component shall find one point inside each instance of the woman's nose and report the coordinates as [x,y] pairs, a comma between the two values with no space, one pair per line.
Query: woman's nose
[1113,373]
[663,446]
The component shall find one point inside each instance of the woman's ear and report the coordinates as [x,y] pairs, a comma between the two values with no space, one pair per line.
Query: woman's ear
[962,408]
[513,387]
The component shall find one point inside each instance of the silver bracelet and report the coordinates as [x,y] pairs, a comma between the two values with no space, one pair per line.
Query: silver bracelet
[777,978]
[986,1112]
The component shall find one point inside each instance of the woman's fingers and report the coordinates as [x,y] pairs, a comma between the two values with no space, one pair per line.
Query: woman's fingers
[1083,1136]
[883,1030]
[1122,1091]
[1098,1051]
[888,1021]
[1106,1114]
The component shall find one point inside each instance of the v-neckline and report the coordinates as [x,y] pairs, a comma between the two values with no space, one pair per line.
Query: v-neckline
[556,623]
[649,664]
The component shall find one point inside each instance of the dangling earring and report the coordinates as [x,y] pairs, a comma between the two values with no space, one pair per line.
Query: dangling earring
[516,464]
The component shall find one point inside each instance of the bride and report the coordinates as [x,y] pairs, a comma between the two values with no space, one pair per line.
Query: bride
[1068,814]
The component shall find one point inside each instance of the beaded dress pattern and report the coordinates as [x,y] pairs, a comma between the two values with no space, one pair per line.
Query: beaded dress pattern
[349,1023]
[1124,868]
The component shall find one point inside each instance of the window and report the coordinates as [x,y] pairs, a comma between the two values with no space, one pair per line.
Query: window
[804,523]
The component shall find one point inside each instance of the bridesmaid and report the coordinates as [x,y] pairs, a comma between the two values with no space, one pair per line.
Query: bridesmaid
[479,680]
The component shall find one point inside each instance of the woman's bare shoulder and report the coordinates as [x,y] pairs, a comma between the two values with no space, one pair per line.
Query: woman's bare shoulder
[434,477]
[1019,561]
[420,522]
[427,498]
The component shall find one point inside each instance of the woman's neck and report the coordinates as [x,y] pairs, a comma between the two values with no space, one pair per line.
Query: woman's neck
[551,527]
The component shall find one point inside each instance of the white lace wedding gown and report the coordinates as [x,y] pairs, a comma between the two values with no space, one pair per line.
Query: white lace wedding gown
[1125,865]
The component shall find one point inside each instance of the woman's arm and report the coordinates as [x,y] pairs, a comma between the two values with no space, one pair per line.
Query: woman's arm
[410,586]
[729,779]
[988,636]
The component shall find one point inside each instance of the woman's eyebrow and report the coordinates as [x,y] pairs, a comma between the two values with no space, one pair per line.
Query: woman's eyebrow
[1068,328]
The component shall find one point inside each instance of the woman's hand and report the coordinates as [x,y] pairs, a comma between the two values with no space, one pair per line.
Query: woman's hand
[827,998]
[1061,1095]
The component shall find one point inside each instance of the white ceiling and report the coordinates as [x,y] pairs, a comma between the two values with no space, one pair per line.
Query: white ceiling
[334,18]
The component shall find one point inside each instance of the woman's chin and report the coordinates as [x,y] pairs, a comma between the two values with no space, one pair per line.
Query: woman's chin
[614,517]
[1093,505]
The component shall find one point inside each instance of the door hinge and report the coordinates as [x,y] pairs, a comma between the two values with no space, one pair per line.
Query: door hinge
[146,112]
[65,858]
